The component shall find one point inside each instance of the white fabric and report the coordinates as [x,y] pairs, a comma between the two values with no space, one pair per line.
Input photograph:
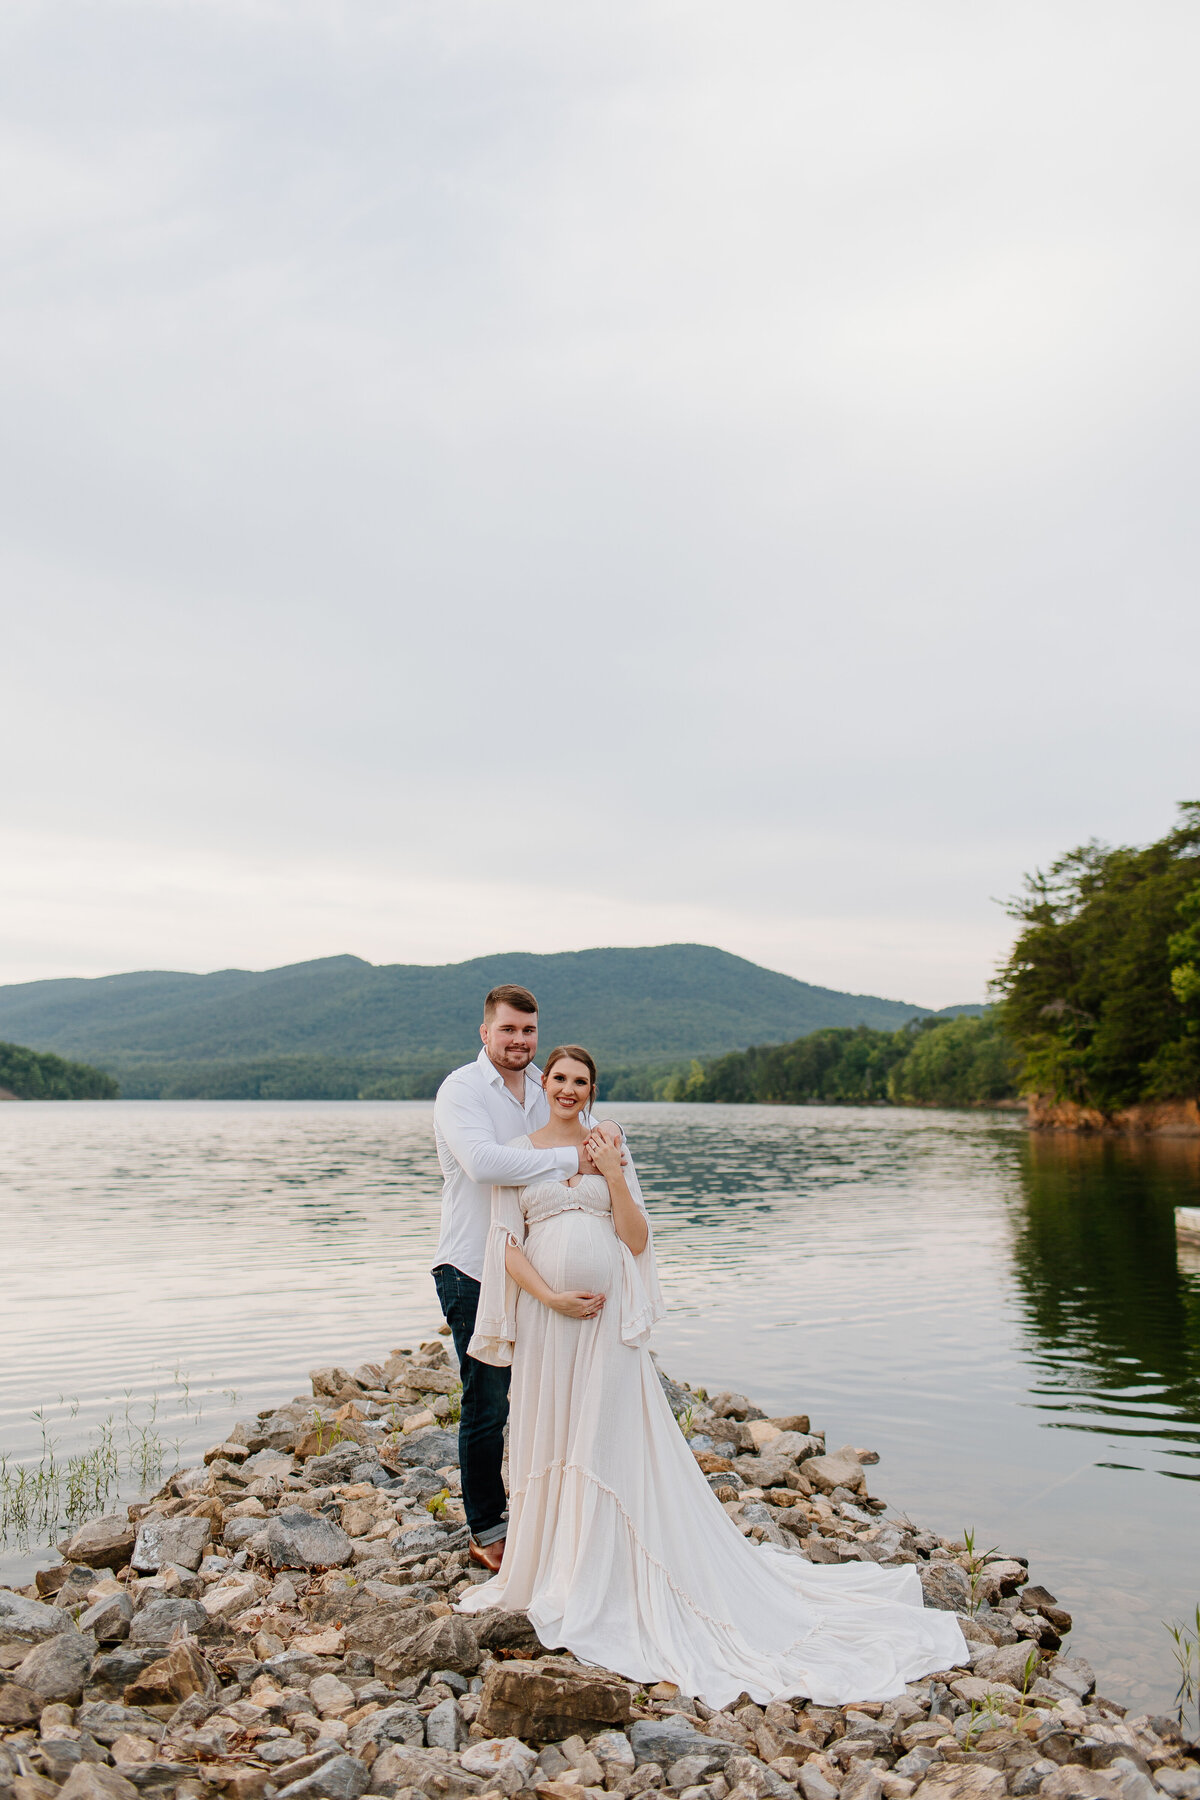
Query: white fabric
[474,1117]
[518,1211]
[617,1548]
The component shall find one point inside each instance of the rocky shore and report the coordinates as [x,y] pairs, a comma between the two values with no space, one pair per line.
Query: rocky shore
[276,1624]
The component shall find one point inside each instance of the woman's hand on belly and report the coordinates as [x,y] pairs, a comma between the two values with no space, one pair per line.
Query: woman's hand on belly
[574,1305]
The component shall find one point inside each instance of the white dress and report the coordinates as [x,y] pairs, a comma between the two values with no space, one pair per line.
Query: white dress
[617,1547]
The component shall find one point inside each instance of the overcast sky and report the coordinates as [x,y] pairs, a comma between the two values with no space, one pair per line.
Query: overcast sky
[486,474]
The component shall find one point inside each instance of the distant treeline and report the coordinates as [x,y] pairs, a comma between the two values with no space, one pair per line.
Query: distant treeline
[35,1075]
[930,1062]
[1101,994]
[282,1078]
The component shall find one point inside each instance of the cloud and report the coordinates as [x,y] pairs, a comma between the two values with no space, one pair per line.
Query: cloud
[728,467]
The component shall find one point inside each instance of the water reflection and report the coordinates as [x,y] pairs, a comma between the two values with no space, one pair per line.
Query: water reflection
[1112,1308]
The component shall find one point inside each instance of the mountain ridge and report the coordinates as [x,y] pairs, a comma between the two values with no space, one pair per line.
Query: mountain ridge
[637,1004]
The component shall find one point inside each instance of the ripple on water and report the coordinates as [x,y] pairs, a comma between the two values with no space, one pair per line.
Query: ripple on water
[1004,1318]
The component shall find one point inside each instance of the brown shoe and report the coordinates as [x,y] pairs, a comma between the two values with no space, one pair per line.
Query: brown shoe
[488,1556]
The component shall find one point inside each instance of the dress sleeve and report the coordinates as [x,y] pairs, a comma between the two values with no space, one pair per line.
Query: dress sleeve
[496,1319]
[642,1303]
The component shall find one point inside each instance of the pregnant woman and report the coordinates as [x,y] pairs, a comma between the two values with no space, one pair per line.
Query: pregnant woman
[617,1547]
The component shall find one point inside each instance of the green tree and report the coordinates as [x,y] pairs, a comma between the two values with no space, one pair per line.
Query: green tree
[1101,993]
[38,1075]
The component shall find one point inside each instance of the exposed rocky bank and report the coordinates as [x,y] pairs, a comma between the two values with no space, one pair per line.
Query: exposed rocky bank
[276,1624]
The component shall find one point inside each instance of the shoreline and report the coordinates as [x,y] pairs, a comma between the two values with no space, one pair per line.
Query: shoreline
[278,1620]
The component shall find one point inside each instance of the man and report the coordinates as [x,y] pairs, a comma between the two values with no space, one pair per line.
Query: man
[479,1109]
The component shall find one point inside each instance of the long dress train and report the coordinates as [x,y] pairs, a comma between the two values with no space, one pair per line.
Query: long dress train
[617,1547]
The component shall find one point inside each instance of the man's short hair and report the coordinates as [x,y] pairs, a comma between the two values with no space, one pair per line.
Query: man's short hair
[508,995]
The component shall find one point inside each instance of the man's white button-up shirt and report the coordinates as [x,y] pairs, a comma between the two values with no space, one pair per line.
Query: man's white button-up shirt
[475,1117]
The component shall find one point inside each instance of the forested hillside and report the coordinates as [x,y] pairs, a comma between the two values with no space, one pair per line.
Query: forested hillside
[1102,989]
[341,1028]
[28,1075]
[963,1061]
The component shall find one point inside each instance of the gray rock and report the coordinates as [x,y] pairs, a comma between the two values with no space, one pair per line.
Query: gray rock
[73,1591]
[105,1543]
[1029,1780]
[237,1533]
[179,1541]
[335,1466]
[108,1620]
[431,1540]
[158,1622]
[665,1741]
[814,1786]
[435,1773]
[302,1540]
[57,1669]
[839,1469]
[678,1398]
[1074,1673]
[112,1673]
[1133,1781]
[946,1587]
[24,1621]
[614,1750]
[752,1775]
[442,1643]
[433,1447]
[340,1778]
[107,1720]
[458,1684]
[279,1750]
[331,1697]
[690,1770]
[734,1406]
[92,1781]
[399,1724]
[58,1756]
[1181,1784]
[862,1783]
[445,1727]
[915,1765]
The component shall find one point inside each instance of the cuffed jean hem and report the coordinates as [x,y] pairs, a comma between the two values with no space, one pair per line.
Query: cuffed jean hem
[493,1535]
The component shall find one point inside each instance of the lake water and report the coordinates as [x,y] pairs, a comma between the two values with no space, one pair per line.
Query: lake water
[1003,1317]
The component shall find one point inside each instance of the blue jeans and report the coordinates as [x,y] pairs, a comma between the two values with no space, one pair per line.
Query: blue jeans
[484,1412]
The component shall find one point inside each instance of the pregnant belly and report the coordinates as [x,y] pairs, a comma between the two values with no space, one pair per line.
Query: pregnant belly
[575,1251]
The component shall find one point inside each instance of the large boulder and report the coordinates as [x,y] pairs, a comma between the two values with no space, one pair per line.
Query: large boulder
[58,1669]
[105,1543]
[25,1621]
[550,1699]
[302,1540]
[179,1541]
